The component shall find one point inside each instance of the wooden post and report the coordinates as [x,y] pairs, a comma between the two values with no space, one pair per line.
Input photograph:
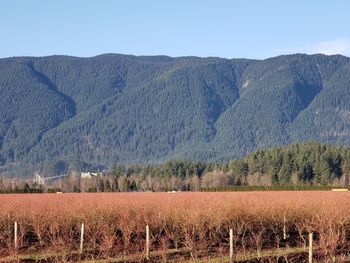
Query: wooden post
[81,238]
[147,243]
[231,246]
[15,234]
[310,247]
[284,226]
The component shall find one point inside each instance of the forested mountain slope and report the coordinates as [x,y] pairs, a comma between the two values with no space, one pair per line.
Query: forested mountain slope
[58,112]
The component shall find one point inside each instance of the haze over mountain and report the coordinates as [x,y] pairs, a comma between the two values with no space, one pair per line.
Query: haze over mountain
[58,112]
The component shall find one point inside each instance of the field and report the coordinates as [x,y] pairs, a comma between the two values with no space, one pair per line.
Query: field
[183,226]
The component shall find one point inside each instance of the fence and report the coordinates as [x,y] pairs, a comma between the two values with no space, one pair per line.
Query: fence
[231,254]
[196,225]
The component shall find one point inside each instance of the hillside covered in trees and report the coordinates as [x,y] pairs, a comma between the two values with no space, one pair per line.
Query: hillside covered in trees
[59,113]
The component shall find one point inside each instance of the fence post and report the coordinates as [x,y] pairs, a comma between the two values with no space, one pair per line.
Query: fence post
[231,245]
[310,247]
[284,226]
[81,238]
[15,234]
[147,243]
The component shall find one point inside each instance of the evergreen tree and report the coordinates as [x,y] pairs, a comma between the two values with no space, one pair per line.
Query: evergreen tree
[133,186]
[26,188]
[108,187]
[76,189]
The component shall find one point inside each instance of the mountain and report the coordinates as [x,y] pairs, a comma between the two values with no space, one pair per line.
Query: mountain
[60,112]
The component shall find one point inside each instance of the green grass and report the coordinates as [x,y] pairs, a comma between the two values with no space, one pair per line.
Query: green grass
[247,188]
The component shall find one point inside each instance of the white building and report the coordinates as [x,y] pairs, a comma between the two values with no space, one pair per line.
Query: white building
[87,174]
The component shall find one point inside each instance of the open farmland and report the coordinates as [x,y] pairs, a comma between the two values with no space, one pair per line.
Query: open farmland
[183,226]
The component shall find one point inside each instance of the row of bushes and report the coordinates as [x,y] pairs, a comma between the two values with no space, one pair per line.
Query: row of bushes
[229,188]
[21,191]
[198,222]
[234,188]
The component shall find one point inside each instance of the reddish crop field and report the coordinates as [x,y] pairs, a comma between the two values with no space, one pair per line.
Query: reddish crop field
[198,223]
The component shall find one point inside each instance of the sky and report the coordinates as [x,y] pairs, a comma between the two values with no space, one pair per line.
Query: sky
[221,28]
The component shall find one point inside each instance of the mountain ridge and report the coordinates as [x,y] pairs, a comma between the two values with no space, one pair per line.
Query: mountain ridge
[59,112]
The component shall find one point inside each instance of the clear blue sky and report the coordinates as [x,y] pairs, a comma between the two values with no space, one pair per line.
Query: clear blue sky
[224,28]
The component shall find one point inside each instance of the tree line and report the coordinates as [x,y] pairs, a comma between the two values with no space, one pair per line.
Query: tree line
[311,164]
